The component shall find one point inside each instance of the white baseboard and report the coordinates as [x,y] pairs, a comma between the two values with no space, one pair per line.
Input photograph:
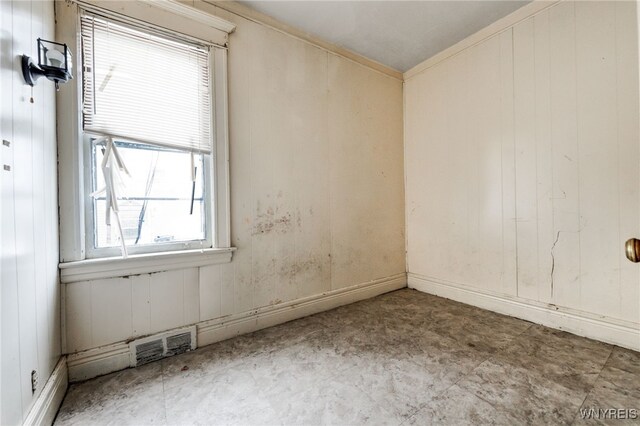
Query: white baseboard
[98,361]
[217,330]
[48,402]
[619,333]
[107,359]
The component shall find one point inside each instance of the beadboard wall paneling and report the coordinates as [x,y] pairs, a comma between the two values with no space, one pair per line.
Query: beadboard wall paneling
[317,201]
[29,227]
[522,156]
[459,165]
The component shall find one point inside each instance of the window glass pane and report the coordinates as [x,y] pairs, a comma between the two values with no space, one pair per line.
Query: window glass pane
[155,201]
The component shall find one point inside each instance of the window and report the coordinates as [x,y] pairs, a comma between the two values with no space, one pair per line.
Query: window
[146,120]
[160,203]
[143,139]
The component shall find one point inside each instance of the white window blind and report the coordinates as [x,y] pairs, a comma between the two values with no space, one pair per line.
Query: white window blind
[144,87]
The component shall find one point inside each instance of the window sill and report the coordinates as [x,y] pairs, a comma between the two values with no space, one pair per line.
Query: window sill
[112,267]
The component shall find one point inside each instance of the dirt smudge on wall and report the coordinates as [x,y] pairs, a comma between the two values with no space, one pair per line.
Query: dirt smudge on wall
[273,221]
[292,269]
[268,223]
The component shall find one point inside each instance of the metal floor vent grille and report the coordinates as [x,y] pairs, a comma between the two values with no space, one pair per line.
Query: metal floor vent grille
[153,348]
[178,344]
[149,352]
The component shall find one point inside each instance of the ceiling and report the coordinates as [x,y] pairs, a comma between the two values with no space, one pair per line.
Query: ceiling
[399,34]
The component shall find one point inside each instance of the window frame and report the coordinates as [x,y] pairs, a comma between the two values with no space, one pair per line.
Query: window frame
[93,252]
[75,166]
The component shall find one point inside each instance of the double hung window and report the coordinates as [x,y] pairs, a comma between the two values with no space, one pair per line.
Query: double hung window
[147,128]
[142,139]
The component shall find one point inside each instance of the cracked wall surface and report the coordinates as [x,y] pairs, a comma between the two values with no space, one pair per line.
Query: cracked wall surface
[521,162]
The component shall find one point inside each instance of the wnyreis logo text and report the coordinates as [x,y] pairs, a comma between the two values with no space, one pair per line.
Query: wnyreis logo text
[609,413]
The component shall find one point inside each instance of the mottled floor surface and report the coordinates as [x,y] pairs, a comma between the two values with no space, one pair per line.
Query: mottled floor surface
[401,358]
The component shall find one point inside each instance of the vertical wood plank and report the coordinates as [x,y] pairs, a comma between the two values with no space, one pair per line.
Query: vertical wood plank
[526,159]
[300,99]
[39,126]
[50,211]
[191,296]
[411,105]
[78,316]
[469,103]
[240,295]
[210,291]
[627,74]
[544,156]
[485,159]
[509,284]
[564,138]
[455,230]
[111,316]
[415,146]
[12,409]
[309,269]
[267,130]
[284,192]
[166,300]
[599,157]
[24,202]
[439,205]
[140,305]
[228,279]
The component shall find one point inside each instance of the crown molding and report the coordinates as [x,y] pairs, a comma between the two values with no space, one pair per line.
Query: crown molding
[262,19]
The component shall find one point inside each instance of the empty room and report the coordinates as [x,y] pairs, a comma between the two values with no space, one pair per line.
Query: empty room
[319,212]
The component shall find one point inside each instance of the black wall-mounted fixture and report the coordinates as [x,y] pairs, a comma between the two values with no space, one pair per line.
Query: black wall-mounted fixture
[54,62]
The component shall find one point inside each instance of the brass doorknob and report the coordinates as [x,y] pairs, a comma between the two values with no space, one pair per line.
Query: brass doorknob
[632,249]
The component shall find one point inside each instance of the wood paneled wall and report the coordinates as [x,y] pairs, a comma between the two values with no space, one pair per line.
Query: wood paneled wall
[522,155]
[317,201]
[30,295]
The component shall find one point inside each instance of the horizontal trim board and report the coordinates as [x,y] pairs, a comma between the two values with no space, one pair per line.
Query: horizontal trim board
[193,13]
[165,15]
[107,359]
[489,31]
[615,332]
[48,402]
[98,361]
[227,327]
[112,267]
[262,19]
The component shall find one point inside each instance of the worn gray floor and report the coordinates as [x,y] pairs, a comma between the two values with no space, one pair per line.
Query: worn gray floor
[401,358]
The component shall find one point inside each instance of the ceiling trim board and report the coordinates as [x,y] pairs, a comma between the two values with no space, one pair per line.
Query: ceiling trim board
[489,31]
[197,15]
[261,18]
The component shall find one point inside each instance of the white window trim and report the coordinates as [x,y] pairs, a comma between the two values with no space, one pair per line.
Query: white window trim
[174,246]
[112,267]
[74,264]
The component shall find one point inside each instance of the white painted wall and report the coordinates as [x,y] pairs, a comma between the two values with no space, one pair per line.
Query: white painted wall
[317,201]
[30,298]
[522,155]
